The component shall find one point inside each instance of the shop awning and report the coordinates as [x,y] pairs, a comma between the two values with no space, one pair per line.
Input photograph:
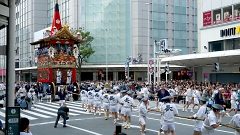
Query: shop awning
[229,57]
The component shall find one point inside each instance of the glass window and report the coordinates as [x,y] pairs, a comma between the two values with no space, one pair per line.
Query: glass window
[161,16]
[162,33]
[161,8]
[155,24]
[176,9]
[155,33]
[155,7]
[176,26]
[176,18]
[227,14]
[97,2]
[183,26]
[216,46]
[176,34]
[98,8]
[183,42]
[176,42]
[90,2]
[183,18]
[237,12]
[183,3]
[183,34]
[122,16]
[90,9]
[161,25]
[183,10]
[155,15]
[122,7]
[177,2]
[217,16]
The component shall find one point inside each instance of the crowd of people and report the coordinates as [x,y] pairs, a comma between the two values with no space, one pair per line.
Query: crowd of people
[116,98]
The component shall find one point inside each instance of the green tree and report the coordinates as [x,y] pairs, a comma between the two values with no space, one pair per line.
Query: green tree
[85,50]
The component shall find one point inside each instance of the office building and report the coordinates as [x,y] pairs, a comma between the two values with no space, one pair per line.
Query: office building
[121,26]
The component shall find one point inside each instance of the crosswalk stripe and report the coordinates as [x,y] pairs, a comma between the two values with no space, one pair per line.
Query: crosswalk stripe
[50,109]
[76,109]
[37,114]
[43,111]
[3,115]
[78,102]
[58,107]
[24,115]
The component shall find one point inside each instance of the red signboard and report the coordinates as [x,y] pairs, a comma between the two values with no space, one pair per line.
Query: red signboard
[45,75]
[207,18]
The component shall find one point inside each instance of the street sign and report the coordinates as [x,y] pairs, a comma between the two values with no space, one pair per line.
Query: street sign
[151,62]
[150,70]
[13,119]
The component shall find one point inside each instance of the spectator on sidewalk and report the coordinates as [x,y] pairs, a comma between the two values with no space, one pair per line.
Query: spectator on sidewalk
[24,127]
[1,128]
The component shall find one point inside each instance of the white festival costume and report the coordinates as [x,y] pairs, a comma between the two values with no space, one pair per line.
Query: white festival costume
[113,103]
[189,95]
[84,95]
[235,121]
[202,112]
[168,110]
[90,97]
[97,99]
[105,99]
[143,113]
[127,105]
[210,120]
[196,95]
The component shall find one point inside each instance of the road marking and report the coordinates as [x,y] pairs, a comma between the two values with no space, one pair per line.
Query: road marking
[4,115]
[37,114]
[43,111]
[44,123]
[54,110]
[186,124]
[85,130]
[24,115]
[76,108]
[58,107]
[135,126]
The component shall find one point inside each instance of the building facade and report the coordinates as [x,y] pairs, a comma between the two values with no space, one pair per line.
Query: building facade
[119,27]
[218,43]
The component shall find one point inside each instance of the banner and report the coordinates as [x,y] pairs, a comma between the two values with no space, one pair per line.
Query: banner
[207,18]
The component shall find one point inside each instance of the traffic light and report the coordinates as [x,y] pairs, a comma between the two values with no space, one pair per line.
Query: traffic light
[166,69]
[217,67]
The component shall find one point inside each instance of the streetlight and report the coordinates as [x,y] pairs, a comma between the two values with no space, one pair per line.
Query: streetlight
[154,69]
[106,56]
[148,56]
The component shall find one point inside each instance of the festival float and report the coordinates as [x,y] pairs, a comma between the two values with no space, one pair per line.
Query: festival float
[57,53]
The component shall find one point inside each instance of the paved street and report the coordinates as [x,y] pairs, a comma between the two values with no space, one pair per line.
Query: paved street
[42,120]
